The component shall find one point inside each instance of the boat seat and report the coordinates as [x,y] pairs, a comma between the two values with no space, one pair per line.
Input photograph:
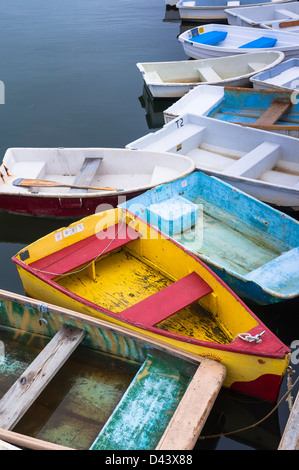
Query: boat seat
[29,169]
[84,251]
[208,74]
[255,163]
[262,42]
[153,77]
[167,301]
[86,173]
[187,136]
[210,38]
[273,113]
[232,3]
[253,67]
[287,13]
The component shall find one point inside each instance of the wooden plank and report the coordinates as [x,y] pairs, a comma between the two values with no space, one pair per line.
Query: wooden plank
[290,438]
[31,383]
[273,113]
[194,408]
[288,24]
[87,173]
[73,256]
[168,301]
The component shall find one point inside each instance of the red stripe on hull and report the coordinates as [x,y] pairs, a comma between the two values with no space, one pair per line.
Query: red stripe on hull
[61,206]
[265,387]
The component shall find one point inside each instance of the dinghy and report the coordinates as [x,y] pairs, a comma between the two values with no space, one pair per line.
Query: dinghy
[271,110]
[263,164]
[107,388]
[72,182]
[285,78]
[174,79]
[218,40]
[114,266]
[240,238]
[209,10]
[282,17]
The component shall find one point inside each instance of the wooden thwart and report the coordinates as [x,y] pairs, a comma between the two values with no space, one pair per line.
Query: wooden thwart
[86,173]
[84,251]
[31,383]
[273,113]
[168,301]
[288,24]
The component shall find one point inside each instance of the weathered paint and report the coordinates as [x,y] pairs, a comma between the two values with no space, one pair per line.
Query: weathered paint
[144,266]
[145,409]
[95,383]
[239,237]
[245,106]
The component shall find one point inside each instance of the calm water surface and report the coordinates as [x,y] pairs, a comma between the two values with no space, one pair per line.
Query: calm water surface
[70,76]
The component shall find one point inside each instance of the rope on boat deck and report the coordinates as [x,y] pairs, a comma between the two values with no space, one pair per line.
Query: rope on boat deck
[286,397]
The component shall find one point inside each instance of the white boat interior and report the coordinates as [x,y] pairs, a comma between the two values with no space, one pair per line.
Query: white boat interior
[272,16]
[207,70]
[285,77]
[99,167]
[224,149]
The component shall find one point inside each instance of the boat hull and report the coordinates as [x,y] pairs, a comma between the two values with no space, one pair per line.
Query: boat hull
[209,11]
[249,370]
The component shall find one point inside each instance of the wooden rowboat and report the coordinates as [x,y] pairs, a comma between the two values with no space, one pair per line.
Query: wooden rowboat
[241,239]
[273,16]
[270,110]
[114,266]
[174,79]
[72,182]
[96,373]
[218,40]
[263,164]
[210,10]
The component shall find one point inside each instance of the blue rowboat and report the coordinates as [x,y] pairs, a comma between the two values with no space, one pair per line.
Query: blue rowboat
[251,246]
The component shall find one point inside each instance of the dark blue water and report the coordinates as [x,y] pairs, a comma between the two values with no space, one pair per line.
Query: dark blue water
[70,76]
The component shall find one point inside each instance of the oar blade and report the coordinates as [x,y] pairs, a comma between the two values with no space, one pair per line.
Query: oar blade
[26,182]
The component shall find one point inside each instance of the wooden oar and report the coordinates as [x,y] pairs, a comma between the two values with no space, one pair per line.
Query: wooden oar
[27,183]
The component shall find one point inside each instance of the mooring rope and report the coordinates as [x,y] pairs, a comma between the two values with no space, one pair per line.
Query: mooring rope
[284,397]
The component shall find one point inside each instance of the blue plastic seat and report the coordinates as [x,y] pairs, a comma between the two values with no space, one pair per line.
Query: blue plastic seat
[210,38]
[260,43]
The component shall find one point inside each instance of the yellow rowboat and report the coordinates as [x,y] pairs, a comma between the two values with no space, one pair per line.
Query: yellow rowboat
[116,267]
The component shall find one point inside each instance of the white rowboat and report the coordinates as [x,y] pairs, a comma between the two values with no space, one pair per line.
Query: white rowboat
[263,164]
[282,17]
[194,10]
[283,77]
[218,40]
[174,79]
[81,174]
